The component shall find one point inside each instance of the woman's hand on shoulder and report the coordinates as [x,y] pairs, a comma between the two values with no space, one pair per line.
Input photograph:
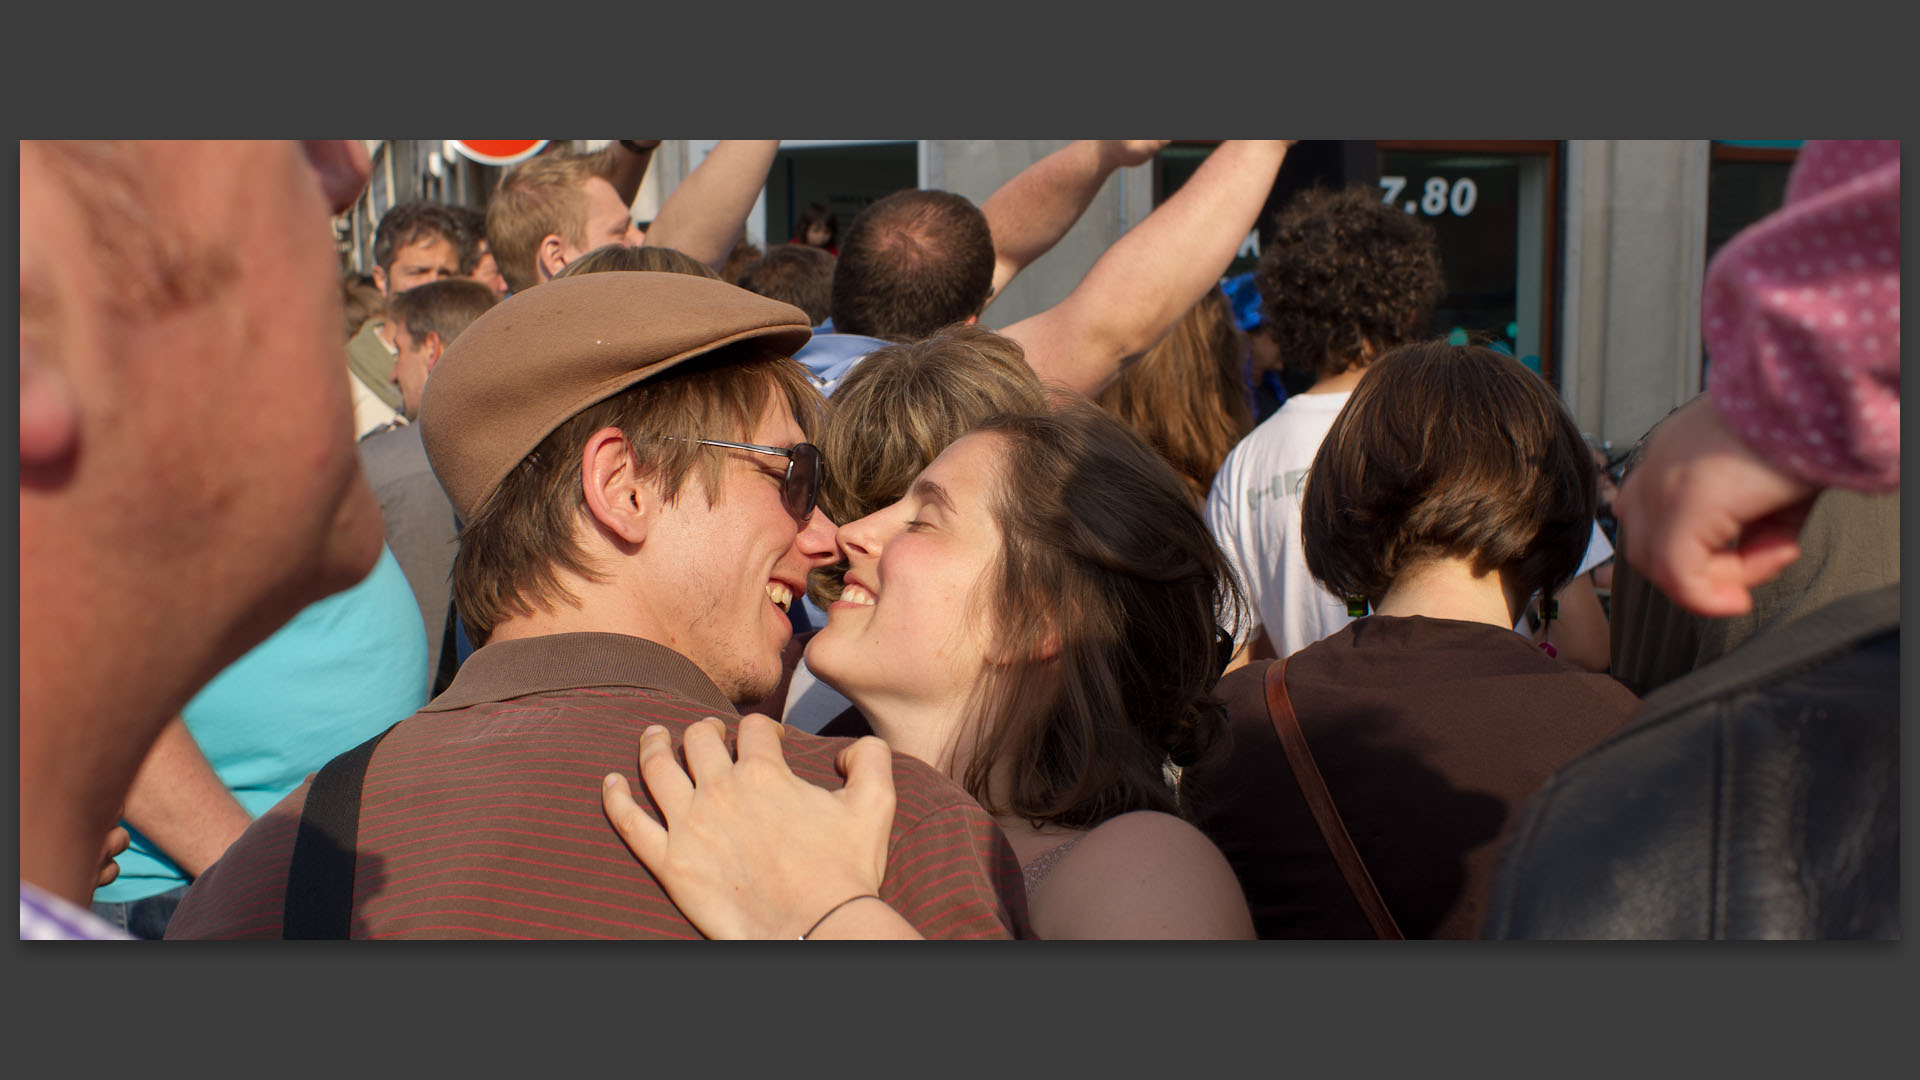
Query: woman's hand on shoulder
[1143,875]
[749,850]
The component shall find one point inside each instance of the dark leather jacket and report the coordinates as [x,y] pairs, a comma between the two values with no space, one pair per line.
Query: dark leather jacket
[1758,797]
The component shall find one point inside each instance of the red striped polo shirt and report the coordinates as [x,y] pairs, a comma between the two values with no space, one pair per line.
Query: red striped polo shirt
[480,816]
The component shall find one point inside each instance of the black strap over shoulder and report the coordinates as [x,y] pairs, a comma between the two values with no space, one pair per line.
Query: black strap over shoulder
[319,902]
[449,654]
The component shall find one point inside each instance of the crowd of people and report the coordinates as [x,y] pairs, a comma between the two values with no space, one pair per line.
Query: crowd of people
[564,579]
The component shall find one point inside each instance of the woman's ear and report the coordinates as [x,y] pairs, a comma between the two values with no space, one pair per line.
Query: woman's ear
[1044,648]
[1048,647]
[616,495]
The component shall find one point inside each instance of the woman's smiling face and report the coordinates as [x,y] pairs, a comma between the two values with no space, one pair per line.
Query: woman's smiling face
[911,632]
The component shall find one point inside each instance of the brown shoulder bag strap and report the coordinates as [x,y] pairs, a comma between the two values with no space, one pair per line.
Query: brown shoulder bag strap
[1320,801]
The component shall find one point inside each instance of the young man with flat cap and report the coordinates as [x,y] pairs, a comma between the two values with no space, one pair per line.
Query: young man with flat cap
[628,452]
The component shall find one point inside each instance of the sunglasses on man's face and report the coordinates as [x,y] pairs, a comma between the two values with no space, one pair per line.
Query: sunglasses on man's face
[806,471]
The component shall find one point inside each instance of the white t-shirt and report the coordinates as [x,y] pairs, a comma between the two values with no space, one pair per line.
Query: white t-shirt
[1254,512]
[810,702]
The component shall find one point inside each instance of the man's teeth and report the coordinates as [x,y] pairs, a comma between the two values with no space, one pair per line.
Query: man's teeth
[854,594]
[780,595]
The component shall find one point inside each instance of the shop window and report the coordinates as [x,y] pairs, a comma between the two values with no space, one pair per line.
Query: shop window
[1494,208]
[1494,211]
[1746,181]
[845,178]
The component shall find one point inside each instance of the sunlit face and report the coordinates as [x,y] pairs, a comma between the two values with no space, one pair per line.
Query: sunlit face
[737,565]
[909,635]
[609,221]
[429,259]
[410,367]
[487,272]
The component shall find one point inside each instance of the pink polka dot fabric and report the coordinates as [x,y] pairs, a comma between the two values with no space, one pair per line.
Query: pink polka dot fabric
[1802,320]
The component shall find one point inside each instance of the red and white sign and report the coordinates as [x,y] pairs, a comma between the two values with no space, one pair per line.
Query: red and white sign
[498,151]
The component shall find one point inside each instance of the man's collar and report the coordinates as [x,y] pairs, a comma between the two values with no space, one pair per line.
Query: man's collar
[504,670]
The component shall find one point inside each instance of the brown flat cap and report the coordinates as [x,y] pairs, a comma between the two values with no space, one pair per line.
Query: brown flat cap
[537,358]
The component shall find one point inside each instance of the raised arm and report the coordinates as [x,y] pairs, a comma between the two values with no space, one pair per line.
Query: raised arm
[1032,211]
[179,802]
[630,160]
[1150,277]
[704,215]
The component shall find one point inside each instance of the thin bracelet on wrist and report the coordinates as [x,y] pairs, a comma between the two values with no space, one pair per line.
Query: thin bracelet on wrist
[822,919]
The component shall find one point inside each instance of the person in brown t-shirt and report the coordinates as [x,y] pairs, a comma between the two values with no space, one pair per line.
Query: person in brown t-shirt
[1451,488]
[629,455]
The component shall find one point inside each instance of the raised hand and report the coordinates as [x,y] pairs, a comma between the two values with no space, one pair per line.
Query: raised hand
[1128,152]
[1706,518]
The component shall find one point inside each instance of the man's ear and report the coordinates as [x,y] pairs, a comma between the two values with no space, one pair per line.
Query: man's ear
[49,408]
[434,348]
[616,495]
[551,256]
[972,320]
[380,278]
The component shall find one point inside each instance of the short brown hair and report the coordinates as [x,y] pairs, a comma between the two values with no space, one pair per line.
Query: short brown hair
[912,263]
[473,236]
[1343,271]
[900,407]
[360,300]
[647,257]
[794,274]
[1188,396]
[415,222]
[1106,556]
[538,198]
[445,307]
[743,255]
[1448,451]
[523,533]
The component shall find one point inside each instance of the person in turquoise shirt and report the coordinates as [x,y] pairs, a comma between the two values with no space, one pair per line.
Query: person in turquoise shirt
[345,669]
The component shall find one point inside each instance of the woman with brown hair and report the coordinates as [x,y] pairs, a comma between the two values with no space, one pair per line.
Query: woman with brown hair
[1451,488]
[1036,617]
[1188,396]
[886,421]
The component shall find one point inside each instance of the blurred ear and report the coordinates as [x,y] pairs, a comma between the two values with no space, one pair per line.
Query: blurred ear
[1046,648]
[342,166]
[1049,646]
[380,278]
[616,495]
[434,347]
[49,409]
[551,255]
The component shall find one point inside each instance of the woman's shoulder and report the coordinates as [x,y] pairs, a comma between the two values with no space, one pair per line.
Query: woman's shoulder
[1144,874]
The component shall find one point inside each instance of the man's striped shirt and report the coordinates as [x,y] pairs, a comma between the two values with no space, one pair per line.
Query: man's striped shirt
[481,818]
